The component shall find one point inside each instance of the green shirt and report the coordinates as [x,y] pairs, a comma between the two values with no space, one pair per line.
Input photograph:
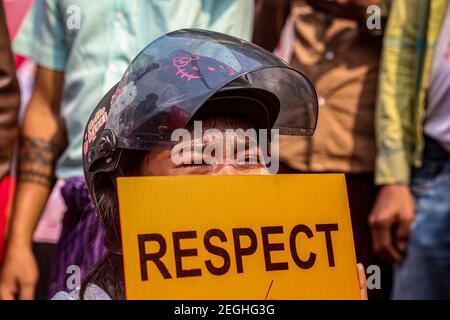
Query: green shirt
[409,43]
[93,41]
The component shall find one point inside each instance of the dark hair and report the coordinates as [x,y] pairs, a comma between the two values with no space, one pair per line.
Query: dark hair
[105,273]
[108,272]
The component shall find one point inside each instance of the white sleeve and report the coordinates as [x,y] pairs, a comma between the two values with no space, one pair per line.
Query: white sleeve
[92,292]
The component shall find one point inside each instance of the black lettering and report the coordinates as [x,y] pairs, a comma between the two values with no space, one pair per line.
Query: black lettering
[268,247]
[292,240]
[238,250]
[218,251]
[180,253]
[155,257]
[327,228]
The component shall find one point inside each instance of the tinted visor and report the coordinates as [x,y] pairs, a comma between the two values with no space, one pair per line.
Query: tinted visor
[176,74]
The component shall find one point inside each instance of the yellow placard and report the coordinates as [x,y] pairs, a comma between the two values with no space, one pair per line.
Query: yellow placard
[237,237]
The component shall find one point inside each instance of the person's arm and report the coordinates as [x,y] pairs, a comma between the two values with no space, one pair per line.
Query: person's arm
[393,212]
[270,17]
[42,138]
[9,98]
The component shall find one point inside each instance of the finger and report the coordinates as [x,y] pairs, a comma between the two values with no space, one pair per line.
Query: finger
[386,248]
[8,290]
[27,291]
[402,235]
[362,282]
[382,241]
[375,229]
[375,239]
[6,294]
[390,254]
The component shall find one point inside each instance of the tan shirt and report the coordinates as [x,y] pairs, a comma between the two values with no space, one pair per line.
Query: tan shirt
[342,61]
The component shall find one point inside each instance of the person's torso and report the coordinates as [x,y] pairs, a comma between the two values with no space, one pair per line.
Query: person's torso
[342,62]
[102,37]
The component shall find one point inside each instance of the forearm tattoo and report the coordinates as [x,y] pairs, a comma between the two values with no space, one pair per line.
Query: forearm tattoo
[37,159]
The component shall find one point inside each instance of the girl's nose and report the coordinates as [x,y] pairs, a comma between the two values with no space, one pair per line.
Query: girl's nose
[226,170]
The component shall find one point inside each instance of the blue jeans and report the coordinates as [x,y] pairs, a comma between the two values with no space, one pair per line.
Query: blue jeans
[425,271]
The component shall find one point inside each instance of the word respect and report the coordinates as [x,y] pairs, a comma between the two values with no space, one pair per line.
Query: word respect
[244,242]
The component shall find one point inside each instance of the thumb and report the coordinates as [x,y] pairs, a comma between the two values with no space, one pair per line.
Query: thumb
[362,281]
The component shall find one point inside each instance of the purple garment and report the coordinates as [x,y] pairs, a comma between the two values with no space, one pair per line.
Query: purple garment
[81,241]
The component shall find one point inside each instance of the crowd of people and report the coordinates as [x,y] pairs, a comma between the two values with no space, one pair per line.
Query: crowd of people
[383,94]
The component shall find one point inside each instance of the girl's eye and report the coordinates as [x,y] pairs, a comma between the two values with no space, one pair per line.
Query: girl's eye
[203,164]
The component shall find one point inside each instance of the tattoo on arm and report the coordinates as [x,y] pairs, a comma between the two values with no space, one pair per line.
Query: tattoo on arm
[37,159]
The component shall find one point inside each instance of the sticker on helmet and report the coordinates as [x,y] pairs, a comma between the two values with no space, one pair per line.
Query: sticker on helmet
[187,67]
[85,145]
[95,124]
[181,64]
[123,97]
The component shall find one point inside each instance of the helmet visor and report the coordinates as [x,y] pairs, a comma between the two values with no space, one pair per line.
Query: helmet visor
[176,74]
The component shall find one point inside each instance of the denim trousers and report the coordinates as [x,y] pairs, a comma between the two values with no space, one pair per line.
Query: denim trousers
[425,271]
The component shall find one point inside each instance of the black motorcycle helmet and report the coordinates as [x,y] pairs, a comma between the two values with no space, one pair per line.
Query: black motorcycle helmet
[191,72]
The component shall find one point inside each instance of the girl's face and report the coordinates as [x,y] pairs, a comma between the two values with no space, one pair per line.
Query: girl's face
[223,154]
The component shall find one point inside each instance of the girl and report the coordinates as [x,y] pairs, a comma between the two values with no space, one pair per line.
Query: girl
[181,80]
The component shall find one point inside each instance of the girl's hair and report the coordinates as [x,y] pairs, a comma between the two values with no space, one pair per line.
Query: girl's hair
[108,272]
